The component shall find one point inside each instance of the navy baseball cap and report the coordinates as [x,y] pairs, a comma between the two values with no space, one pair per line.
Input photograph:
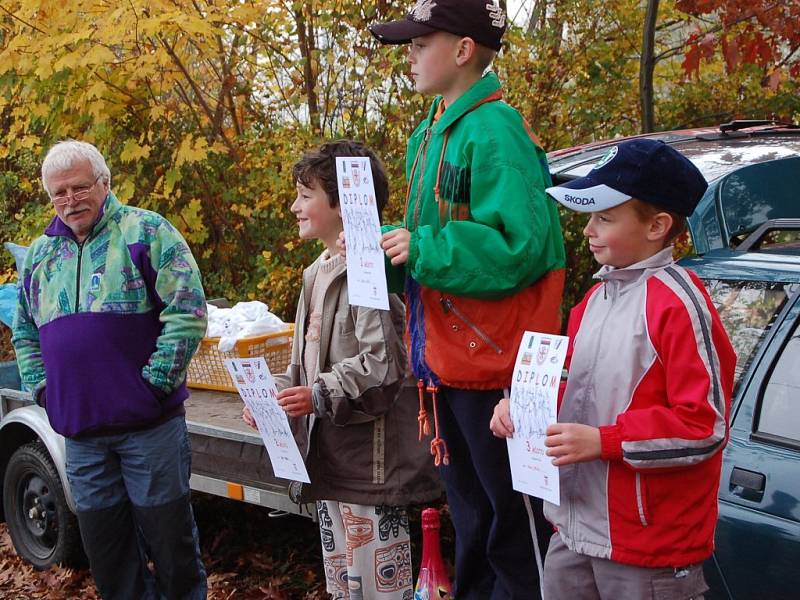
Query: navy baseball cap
[645,169]
[482,20]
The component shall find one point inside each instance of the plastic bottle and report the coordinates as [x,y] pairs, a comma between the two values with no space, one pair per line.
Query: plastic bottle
[433,582]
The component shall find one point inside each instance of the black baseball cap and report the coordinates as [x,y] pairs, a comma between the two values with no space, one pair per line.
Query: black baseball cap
[482,20]
[645,169]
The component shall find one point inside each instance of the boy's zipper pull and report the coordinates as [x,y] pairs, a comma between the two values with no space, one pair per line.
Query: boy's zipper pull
[605,290]
[445,304]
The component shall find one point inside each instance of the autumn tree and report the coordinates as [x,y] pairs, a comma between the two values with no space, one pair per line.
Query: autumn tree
[202,106]
[763,33]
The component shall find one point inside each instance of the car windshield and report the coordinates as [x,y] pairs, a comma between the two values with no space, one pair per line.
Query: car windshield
[747,309]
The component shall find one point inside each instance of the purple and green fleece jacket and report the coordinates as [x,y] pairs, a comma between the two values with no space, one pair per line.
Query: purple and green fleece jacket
[109,325]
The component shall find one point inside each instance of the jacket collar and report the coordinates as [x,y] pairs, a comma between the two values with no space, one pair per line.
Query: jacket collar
[57,227]
[637,271]
[486,89]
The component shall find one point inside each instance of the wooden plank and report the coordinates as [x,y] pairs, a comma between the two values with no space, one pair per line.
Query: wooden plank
[217,409]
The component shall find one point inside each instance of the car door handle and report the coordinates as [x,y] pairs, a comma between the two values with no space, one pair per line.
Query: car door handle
[747,484]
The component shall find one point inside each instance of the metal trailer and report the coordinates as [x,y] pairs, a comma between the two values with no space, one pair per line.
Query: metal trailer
[228,460]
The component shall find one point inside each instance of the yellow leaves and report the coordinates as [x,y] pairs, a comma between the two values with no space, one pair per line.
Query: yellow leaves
[40,110]
[197,25]
[191,214]
[28,142]
[218,147]
[169,21]
[95,56]
[98,110]
[98,55]
[16,54]
[191,150]
[149,62]
[70,39]
[67,61]
[97,90]
[190,222]
[133,150]
[18,126]
[44,69]
[242,209]
[154,25]
[124,191]
[173,176]
[7,61]
[246,13]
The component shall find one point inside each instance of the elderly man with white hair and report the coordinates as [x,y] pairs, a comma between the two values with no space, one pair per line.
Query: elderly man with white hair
[111,309]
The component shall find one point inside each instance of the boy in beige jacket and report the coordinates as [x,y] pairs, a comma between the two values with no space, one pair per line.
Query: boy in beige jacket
[345,393]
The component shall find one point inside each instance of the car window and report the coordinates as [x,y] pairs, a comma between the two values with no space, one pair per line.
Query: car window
[780,403]
[754,194]
[747,310]
[780,241]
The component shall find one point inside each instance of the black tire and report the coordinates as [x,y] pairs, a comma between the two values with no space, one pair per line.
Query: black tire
[42,527]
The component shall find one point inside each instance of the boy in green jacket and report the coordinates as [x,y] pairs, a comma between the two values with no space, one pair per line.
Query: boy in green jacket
[483,260]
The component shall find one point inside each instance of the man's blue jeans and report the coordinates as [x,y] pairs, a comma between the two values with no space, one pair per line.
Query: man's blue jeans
[131,491]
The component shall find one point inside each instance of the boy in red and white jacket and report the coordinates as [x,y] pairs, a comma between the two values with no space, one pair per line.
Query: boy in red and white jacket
[644,415]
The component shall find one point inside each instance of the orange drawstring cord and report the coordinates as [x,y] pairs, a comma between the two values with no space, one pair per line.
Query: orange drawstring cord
[438,445]
[422,417]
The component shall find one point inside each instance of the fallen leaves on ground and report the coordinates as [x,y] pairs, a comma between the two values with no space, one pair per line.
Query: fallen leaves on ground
[19,580]
[248,556]
[6,349]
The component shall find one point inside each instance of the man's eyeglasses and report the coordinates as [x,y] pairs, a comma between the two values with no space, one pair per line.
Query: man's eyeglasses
[77,194]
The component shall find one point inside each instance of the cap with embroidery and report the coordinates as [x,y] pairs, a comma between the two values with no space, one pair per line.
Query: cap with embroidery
[482,20]
[645,169]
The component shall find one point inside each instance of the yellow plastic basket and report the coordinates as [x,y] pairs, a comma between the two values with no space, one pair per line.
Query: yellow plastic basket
[207,368]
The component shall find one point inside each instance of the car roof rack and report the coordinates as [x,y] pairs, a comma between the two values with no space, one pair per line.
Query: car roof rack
[745,123]
[752,241]
[732,128]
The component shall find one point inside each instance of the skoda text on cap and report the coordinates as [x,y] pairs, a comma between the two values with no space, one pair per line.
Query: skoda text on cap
[645,169]
[592,199]
[482,20]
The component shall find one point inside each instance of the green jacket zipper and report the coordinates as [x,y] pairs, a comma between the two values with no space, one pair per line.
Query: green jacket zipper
[421,180]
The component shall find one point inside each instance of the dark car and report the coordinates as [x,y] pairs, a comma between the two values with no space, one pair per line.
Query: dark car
[746,238]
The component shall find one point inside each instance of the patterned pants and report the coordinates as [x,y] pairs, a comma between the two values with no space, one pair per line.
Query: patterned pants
[366,551]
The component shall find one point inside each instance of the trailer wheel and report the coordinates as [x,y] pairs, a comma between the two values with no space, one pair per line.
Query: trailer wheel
[42,527]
